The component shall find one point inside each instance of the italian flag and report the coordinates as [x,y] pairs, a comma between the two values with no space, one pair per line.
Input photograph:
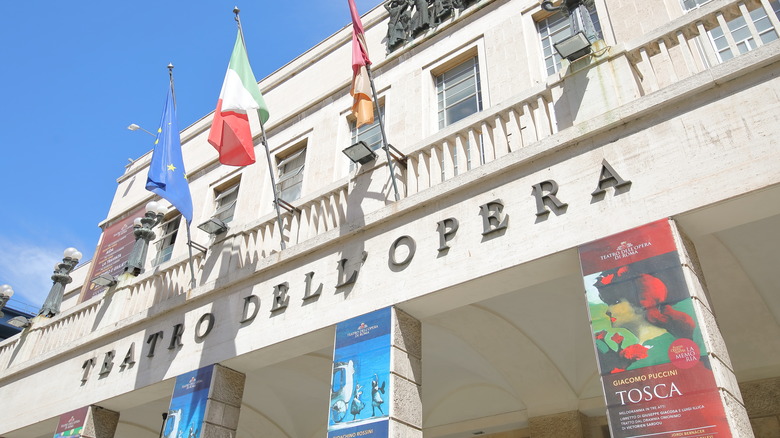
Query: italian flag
[230,133]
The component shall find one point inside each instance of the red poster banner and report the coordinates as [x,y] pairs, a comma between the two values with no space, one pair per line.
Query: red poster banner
[71,424]
[653,361]
[112,253]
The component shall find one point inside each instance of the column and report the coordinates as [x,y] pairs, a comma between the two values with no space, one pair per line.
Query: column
[205,404]
[730,394]
[663,363]
[406,376]
[572,424]
[224,403]
[88,422]
[101,423]
[377,374]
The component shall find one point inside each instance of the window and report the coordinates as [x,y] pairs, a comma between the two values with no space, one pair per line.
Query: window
[740,31]
[226,203]
[555,28]
[458,92]
[167,237]
[371,134]
[291,175]
[689,5]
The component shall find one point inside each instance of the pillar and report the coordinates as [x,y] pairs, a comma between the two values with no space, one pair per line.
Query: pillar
[377,377]
[664,365]
[730,394]
[88,422]
[224,403]
[101,423]
[406,376]
[206,403]
[762,400]
[573,424]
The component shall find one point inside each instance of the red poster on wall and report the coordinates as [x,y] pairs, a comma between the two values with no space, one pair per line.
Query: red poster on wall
[113,251]
[653,361]
[71,424]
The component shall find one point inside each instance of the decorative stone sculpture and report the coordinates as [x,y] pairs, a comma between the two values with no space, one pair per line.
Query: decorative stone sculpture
[421,19]
[410,18]
[398,25]
[442,9]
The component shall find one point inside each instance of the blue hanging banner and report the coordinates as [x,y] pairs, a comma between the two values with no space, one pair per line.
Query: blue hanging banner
[361,377]
[188,404]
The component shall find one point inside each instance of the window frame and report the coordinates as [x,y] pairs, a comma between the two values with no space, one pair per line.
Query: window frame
[165,243]
[441,87]
[284,175]
[220,195]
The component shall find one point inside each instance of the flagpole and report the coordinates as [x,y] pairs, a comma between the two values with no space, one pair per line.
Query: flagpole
[264,140]
[189,236]
[382,130]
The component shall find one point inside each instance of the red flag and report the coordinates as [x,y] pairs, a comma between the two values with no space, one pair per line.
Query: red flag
[231,136]
[362,106]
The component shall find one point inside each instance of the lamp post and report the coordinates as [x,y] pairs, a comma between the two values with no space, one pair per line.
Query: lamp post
[142,229]
[51,306]
[134,127]
[6,292]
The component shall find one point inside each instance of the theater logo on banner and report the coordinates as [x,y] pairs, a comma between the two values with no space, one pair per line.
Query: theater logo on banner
[654,366]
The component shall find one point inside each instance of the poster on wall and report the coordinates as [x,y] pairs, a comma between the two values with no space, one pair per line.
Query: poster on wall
[71,424]
[654,366]
[112,253]
[188,404]
[360,386]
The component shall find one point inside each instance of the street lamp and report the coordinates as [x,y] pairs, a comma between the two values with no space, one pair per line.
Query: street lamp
[142,229]
[6,292]
[134,127]
[70,259]
[20,322]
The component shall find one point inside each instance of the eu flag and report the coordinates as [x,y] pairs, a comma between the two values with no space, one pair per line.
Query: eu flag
[167,176]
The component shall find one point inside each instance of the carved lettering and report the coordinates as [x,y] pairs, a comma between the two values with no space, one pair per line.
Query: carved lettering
[308,293]
[410,244]
[545,193]
[342,264]
[87,367]
[152,341]
[200,332]
[178,331]
[609,178]
[129,359]
[108,363]
[280,297]
[447,229]
[250,302]
[493,218]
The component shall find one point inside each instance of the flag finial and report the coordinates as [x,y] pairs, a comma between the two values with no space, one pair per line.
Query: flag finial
[170,66]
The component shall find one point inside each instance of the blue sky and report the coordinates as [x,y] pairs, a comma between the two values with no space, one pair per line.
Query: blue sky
[74,76]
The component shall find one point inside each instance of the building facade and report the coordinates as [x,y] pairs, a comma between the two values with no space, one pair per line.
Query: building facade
[512,160]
